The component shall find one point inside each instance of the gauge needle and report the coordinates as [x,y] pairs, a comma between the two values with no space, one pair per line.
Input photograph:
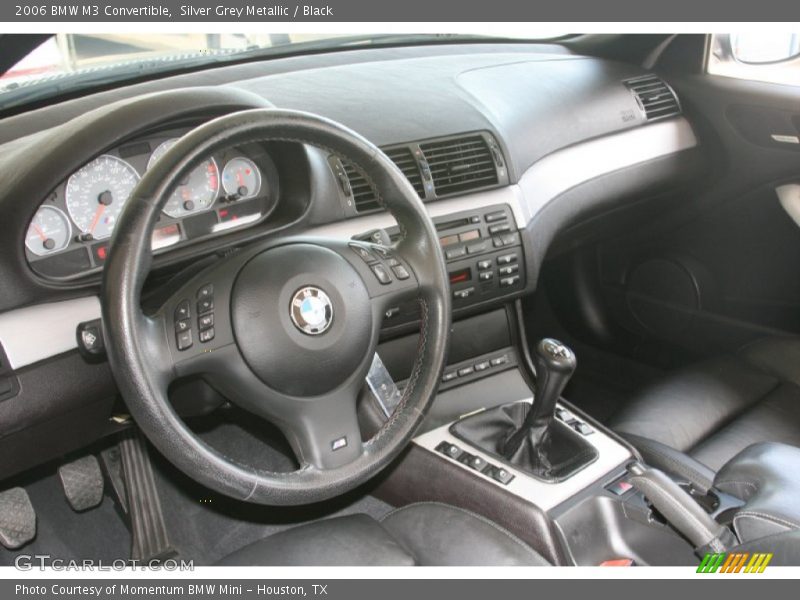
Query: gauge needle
[39,231]
[97,215]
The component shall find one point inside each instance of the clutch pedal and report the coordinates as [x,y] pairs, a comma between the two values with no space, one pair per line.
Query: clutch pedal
[82,481]
[17,518]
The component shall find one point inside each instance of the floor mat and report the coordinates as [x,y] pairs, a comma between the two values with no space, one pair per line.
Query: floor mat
[205,526]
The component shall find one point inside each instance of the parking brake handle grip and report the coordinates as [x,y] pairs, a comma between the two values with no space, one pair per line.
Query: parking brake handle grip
[680,510]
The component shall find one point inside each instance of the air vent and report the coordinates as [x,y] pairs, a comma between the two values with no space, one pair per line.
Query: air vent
[460,164]
[656,98]
[364,197]
[404,159]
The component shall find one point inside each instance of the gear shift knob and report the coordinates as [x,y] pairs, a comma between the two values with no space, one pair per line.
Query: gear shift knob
[555,364]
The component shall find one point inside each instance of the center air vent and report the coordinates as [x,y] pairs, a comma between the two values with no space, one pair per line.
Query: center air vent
[656,98]
[435,168]
[460,164]
[404,159]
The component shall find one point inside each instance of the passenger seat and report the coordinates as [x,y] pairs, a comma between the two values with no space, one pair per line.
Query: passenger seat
[695,420]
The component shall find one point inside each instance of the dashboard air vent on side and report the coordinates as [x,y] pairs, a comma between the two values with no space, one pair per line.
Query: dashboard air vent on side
[364,198]
[404,159]
[460,164]
[656,98]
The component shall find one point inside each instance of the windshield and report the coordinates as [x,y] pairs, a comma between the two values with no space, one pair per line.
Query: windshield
[68,62]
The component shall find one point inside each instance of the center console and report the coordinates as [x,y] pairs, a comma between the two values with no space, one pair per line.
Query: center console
[501,441]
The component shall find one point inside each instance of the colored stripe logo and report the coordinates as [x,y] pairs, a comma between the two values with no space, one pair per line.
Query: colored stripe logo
[735,562]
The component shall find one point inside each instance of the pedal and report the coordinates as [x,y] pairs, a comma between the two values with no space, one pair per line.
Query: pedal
[82,481]
[17,518]
[150,540]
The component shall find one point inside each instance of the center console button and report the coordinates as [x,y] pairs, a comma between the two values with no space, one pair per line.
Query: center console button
[476,462]
[506,259]
[453,253]
[498,215]
[449,376]
[449,449]
[508,269]
[499,360]
[465,293]
[484,264]
[510,239]
[493,229]
[478,247]
[500,474]
[486,275]
[509,281]
[482,366]
[464,371]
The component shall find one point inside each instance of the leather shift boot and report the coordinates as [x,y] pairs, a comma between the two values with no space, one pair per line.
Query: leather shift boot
[551,451]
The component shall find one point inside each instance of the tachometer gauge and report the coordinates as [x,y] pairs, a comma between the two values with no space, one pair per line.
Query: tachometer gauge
[241,178]
[49,231]
[195,193]
[96,193]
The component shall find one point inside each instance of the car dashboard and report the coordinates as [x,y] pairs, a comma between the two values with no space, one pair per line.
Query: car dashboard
[508,145]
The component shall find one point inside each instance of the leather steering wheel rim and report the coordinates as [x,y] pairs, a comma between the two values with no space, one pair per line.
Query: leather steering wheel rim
[135,354]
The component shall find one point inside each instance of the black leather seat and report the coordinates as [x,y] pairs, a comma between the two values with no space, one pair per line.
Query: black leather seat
[716,408]
[428,533]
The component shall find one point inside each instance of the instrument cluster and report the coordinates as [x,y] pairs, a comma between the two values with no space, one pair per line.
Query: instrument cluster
[70,233]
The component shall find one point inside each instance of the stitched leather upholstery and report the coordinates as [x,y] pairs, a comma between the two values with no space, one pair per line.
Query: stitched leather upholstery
[427,533]
[765,476]
[714,409]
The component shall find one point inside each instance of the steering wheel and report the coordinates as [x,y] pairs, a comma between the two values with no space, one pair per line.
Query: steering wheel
[286,328]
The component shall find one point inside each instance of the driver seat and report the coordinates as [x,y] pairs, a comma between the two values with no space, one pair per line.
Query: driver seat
[425,534]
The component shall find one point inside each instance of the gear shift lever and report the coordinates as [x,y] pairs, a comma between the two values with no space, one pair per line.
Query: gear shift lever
[528,436]
[555,364]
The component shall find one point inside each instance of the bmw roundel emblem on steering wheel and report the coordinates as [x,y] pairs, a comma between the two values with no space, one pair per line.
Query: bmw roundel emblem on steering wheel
[311,310]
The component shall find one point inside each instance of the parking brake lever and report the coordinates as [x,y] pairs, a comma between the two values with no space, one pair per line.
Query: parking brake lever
[680,510]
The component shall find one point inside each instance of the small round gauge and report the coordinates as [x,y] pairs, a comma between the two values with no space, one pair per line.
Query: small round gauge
[197,192]
[241,178]
[48,232]
[96,193]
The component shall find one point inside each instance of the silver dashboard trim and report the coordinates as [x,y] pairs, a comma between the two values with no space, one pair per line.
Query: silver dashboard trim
[611,458]
[35,333]
[565,169]
[38,332]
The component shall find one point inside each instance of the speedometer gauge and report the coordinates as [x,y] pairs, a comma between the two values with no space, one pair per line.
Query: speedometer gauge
[196,192]
[49,231]
[97,192]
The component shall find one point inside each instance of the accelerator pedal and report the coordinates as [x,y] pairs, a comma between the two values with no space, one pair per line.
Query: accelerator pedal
[82,481]
[17,518]
[150,540]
